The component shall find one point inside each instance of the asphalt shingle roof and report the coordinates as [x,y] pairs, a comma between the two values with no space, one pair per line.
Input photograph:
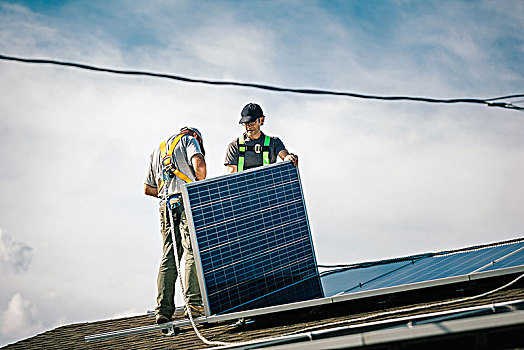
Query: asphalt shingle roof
[73,336]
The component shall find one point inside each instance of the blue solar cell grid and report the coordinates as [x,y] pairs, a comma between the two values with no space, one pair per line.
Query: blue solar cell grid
[253,239]
[443,266]
[425,269]
[349,280]
[513,258]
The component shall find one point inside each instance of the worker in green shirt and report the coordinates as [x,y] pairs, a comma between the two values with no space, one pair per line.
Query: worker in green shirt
[254,148]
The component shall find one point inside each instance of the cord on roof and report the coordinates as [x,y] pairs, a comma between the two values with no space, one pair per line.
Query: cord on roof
[488,102]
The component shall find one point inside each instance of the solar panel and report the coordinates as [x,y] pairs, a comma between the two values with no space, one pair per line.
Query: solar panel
[515,259]
[344,281]
[424,269]
[251,239]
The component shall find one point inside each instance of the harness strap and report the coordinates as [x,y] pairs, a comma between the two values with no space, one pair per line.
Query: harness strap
[241,153]
[168,163]
[242,148]
[265,151]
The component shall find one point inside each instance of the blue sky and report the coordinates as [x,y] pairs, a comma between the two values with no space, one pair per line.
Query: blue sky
[381,179]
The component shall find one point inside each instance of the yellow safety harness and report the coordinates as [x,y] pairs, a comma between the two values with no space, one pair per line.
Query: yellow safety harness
[169,169]
[242,151]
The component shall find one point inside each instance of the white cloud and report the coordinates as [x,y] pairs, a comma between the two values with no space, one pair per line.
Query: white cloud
[20,319]
[15,256]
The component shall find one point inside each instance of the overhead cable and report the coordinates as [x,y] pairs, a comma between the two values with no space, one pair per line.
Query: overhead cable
[491,102]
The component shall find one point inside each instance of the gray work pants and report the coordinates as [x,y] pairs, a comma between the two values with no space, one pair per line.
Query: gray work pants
[167,273]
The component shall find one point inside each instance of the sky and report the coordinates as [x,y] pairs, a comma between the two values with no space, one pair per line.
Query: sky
[79,241]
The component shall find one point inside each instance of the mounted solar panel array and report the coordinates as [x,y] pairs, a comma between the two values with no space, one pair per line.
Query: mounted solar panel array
[425,269]
[251,238]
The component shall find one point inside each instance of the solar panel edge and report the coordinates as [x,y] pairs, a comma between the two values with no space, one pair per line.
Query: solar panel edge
[310,234]
[221,177]
[196,251]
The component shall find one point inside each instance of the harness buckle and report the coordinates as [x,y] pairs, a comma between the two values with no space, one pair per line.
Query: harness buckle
[174,204]
[258,148]
[168,174]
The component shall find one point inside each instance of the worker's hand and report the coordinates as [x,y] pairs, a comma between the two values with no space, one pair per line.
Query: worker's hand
[292,157]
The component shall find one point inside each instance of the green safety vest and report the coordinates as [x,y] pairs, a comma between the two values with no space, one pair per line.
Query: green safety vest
[242,152]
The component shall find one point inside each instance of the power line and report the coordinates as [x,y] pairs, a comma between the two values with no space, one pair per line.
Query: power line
[488,102]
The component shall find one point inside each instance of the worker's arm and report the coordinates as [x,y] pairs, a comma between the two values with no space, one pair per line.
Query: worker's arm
[150,191]
[231,169]
[199,165]
[285,155]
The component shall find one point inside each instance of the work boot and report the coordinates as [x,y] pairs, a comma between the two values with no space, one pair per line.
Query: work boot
[162,319]
[196,311]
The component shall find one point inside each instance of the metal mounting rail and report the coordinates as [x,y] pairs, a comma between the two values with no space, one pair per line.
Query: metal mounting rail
[169,326]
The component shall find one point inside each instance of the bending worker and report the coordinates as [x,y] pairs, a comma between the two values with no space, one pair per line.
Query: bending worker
[180,159]
[254,148]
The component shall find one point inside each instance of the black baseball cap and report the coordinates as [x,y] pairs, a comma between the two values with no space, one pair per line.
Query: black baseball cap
[250,113]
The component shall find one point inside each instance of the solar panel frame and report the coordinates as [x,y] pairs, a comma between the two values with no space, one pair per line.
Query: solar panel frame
[235,205]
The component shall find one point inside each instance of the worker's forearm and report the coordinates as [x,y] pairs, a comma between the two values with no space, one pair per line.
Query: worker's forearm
[201,173]
[150,191]
[199,165]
